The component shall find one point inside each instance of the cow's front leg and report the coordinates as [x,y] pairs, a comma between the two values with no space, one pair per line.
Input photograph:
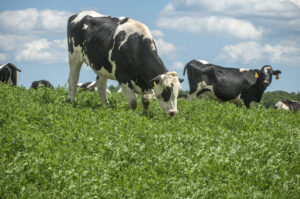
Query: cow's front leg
[146,101]
[130,95]
[101,88]
[75,65]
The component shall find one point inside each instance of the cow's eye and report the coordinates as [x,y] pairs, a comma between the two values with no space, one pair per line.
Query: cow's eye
[166,94]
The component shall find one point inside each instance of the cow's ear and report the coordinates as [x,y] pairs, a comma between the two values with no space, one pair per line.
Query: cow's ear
[276,73]
[256,73]
[180,80]
[153,82]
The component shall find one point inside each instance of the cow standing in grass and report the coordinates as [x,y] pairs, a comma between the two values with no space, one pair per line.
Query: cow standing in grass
[239,86]
[121,49]
[39,83]
[289,105]
[9,74]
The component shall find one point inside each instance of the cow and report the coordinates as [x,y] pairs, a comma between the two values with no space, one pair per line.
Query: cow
[122,49]
[37,84]
[290,105]
[9,74]
[239,86]
[90,86]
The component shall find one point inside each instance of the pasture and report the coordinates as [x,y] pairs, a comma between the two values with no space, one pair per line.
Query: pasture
[50,148]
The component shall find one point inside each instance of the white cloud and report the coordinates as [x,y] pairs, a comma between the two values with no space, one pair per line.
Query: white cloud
[10,42]
[44,51]
[32,20]
[232,17]
[25,35]
[253,52]
[212,25]
[177,65]
[268,8]
[53,20]
[2,58]
[164,48]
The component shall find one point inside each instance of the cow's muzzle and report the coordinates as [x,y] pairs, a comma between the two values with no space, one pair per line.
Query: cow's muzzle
[172,113]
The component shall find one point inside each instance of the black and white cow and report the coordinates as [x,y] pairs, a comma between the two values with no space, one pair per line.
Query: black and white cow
[121,49]
[90,86]
[37,84]
[239,86]
[290,105]
[9,74]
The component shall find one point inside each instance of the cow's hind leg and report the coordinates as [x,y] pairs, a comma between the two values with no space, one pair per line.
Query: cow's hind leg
[130,95]
[75,66]
[101,88]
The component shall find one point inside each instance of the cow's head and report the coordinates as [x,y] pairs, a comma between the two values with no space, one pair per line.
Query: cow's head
[166,88]
[267,73]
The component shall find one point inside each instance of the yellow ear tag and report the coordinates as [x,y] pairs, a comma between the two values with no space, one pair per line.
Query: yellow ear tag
[154,83]
[256,75]
[277,76]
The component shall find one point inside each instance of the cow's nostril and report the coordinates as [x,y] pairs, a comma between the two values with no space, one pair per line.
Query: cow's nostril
[172,113]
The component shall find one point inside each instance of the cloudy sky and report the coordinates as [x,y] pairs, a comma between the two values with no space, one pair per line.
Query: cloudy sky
[230,33]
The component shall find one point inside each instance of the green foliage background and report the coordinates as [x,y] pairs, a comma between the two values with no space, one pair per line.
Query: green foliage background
[50,148]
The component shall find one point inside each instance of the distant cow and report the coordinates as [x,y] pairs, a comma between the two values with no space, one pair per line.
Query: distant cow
[288,105]
[121,49]
[37,84]
[9,74]
[239,86]
[90,86]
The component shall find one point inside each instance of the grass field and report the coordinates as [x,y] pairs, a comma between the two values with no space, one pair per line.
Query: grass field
[50,148]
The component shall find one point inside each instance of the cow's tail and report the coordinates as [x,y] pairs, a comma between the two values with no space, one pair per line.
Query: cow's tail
[185,68]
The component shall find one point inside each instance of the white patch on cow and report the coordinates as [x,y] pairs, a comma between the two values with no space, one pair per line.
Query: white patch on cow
[167,80]
[244,69]
[238,100]
[81,15]
[2,66]
[280,105]
[78,53]
[132,27]
[85,26]
[203,62]
[267,69]
[121,18]
[91,84]
[103,72]
[203,85]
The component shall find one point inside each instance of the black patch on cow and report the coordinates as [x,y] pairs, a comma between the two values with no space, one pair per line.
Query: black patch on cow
[124,20]
[166,94]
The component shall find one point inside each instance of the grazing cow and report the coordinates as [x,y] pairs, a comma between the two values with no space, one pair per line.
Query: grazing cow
[90,86]
[239,86]
[37,84]
[121,49]
[288,105]
[9,74]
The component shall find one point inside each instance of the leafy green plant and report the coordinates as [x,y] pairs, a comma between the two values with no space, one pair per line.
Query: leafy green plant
[51,148]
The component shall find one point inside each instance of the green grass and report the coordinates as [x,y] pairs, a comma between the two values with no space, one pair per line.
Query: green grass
[50,148]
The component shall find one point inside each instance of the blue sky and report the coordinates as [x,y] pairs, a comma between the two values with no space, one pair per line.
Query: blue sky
[232,33]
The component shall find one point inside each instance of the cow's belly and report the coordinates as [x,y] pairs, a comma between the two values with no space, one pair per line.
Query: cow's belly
[219,95]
